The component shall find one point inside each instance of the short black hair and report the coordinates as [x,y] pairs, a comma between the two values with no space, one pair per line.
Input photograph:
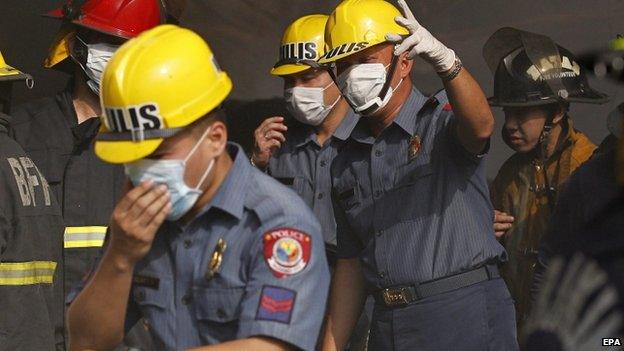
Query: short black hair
[216,115]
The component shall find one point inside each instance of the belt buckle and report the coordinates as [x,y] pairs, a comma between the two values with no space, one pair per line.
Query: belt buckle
[395,297]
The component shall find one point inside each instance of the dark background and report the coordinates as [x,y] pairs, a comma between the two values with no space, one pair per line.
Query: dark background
[245,35]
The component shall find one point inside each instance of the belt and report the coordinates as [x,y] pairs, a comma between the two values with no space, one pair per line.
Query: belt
[404,295]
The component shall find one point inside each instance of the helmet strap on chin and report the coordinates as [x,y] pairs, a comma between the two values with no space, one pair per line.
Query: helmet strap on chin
[386,86]
[542,151]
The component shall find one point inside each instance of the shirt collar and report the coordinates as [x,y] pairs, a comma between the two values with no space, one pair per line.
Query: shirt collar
[303,135]
[346,126]
[404,119]
[307,133]
[230,196]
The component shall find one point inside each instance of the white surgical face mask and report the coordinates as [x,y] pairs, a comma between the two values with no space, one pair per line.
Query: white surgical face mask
[307,104]
[98,56]
[171,174]
[361,84]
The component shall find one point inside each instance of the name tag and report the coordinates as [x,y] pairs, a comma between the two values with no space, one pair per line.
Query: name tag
[146,281]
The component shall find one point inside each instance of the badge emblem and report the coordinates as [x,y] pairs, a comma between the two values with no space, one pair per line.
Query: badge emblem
[414,147]
[287,251]
[276,304]
[216,260]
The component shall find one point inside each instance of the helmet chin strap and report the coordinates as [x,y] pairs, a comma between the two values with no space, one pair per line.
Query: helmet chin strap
[384,90]
[382,93]
[542,151]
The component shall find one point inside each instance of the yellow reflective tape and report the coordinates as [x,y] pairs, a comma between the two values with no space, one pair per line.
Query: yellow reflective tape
[27,273]
[81,237]
[87,229]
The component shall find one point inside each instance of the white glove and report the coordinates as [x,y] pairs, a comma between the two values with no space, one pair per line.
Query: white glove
[420,42]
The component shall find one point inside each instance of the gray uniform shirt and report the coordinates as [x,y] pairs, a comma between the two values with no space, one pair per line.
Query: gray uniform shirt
[304,165]
[250,264]
[413,204]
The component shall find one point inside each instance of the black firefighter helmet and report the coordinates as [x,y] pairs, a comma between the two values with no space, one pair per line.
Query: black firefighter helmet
[530,69]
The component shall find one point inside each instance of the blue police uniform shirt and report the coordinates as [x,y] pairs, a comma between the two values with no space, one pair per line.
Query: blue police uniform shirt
[412,203]
[272,280]
[303,164]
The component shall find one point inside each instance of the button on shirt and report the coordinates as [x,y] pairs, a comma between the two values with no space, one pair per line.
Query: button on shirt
[412,203]
[304,165]
[259,287]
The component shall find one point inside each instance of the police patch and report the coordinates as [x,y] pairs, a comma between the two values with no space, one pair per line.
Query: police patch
[287,251]
[276,304]
[132,118]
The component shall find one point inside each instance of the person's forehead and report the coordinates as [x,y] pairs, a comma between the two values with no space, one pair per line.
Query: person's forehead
[307,74]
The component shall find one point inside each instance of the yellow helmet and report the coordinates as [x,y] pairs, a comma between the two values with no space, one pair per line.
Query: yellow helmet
[359,24]
[153,87]
[302,40]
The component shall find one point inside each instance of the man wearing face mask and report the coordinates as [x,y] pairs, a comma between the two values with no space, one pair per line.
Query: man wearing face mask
[205,247]
[414,221]
[301,158]
[58,132]
[535,80]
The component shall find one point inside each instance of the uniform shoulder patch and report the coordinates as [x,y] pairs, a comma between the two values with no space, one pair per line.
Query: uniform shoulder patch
[276,304]
[287,251]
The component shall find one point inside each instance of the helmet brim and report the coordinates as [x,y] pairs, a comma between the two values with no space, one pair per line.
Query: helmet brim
[8,73]
[288,69]
[125,151]
[92,25]
[590,96]
[340,56]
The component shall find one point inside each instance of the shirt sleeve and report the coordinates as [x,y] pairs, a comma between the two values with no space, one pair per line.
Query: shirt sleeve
[348,243]
[455,147]
[288,285]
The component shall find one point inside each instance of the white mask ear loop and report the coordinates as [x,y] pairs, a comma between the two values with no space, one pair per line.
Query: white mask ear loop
[203,178]
[197,144]
[329,85]
[337,99]
[201,181]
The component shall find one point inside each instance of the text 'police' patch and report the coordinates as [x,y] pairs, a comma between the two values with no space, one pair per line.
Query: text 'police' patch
[276,304]
[286,251]
[132,118]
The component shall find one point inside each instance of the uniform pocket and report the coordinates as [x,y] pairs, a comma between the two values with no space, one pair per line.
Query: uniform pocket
[411,173]
[218,305]
[349,197]
[218,312]
[154,300]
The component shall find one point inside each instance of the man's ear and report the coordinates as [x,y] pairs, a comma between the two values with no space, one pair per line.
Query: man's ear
[404,65]
[218,136]
[559,114]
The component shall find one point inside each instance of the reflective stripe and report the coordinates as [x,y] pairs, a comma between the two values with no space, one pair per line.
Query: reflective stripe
[79,237]
[27,273]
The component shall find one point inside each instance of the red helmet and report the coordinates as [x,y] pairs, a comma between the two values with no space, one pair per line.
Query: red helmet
[120,18]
